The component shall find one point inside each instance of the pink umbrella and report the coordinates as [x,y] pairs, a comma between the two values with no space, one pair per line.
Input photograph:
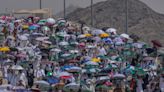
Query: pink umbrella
[81,44]
[36,25]
[3,17]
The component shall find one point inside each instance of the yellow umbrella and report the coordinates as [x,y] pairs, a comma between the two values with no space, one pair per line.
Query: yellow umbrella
[4,49]
[103,35]
[96,60]
[25,26]
[87,35]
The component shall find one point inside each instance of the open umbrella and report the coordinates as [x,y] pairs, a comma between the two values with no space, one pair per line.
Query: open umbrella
[119,76]
[42,38]
[102,79]
[104,35]
[32,27]
[111,30]
[140,72]
[63,43]
[72,87]
[25,26]
[74,51]
[45,28]
[148,59]
[23,37]
[17,67]
[65,55]
[42,22]
[47,42]
[97,32]
[64,75]
[52,80]
[56,50]
[96,60]
[88,35]
[43,85]
[125,36]
[73,69]
[91,63]
[81,36]
[51,21]
[4,49]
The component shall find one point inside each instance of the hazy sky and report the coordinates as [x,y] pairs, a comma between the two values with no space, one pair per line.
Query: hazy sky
[57,5]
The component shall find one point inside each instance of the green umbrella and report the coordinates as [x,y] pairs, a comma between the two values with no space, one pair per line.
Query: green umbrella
[119,59]
[140,72]
[103,57]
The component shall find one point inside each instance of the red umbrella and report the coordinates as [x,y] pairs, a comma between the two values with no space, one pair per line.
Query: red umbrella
[156,43]
[81,44]
[66,77]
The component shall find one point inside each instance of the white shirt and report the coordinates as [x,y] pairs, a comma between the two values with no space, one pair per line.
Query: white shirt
[161,84]
[40,73]
[102,51]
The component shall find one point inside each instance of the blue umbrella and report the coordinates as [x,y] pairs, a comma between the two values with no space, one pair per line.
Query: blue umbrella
[52,80]
[107,40]
[66,67]
[32,27]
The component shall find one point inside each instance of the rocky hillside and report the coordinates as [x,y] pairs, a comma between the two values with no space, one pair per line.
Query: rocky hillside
[143,21]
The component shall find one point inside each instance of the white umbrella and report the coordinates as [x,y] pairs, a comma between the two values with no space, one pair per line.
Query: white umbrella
[97,32]
[63,74]
[23,37]
[138,45]
[119,76]
[39,34]
[111,30]
[17,67]
[76,43]
[42,82]
[73,68]
[61,21]
[18,21]
[63,43]
[104,78]
[47,42]
[51,21]
[91,46]
[63,34]
[2,21]
[72,86]
[10,37]
[125,36]
[73,51]
[91,63]
[42,38]
[26,35]
[86,28]
[81,36]
[56,50]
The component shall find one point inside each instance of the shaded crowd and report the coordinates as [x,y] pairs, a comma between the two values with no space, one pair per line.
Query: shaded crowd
[48,55]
